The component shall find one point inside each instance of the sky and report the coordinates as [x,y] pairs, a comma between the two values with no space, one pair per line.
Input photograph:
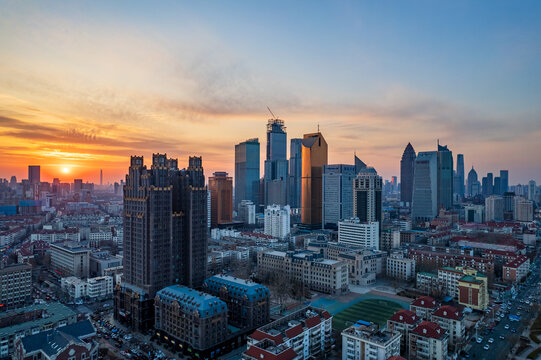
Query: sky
[86,84]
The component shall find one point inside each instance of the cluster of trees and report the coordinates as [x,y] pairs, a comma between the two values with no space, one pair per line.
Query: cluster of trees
[283,288]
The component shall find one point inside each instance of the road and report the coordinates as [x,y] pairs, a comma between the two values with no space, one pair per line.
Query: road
[500,349]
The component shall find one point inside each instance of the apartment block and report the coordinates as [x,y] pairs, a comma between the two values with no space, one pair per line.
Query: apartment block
[452,321]
[428,341]
[15,285]
[403,321]
[400,267]
[367,342]
[516,269]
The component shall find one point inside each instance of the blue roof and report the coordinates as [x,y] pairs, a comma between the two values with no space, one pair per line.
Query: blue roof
[29,202]
[191,300]
[51,341]
[237,288]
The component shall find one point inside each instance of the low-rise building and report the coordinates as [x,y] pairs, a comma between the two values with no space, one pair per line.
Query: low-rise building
[193,318]
[403,321]
[70,259]
[452,321]
[400,267]
[428,283]
[423,307]
[248,303]
[100,287]
[516,269]
[428,341]
[473,291]
[71,342]
[365,341]
[357,233]
[15,285]
[303,334]
[52,236]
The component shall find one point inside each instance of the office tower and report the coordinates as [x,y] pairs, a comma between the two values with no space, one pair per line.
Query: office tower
[460,175]
[314,156]
[531,190]
[504,181]
[494,208]
[496,189]
[295,173]
[367,199]
[277,221]
[77,185]
[407,168]
[445,177]
[508,206]
[394,184]
[425,187]
[247,171]
[165,234]
[472,180]
[34,174]
[246,212]
[359,164]
[276,164]
[101,177]
[337,193]
[221,197]
[488,184]
[355,232]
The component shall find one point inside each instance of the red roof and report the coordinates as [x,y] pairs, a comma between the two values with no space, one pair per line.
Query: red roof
[516,262]
[424,301]
[448,312]
[396,357]
[326,315]
[259,353]
[404,316]
[429,329]
[313,321]
[294,331]
[260,335]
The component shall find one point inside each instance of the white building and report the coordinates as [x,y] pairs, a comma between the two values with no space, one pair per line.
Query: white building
[474,213]
[428,341]
[365,341]
[524,210]
[353,232]
[494,205]
[453,322]
[277,222]
[94,288]
[400,267]
[69,259]
[246,212]
[74,287]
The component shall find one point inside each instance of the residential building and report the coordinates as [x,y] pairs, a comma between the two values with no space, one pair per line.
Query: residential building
[357,233]
[452,321]
[71,342]
[314,157]
[524,210]
[248,303]
[403,321]
[277,221]
[305,333]
[337,193]
[428,341]
[247,172]
[367,200]
[100,287]
[531,190]
[52,236]
[407,168]
[246,212]
[389,239]
[74,287]
[517,269]
[70,259]
[400,267]
[473,291]
[423,307]
[15,285]
[367,342]
[221,198]
[312,270]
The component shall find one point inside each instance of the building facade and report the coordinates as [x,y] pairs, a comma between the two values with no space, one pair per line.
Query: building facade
[15,285]
[357,233]
[367,200]
[247,172]
[314,157]
[277,221]
[337,193]
[221,199]
[367,342]
[276,164]
[400,267]
[407,168]
[428,341]
[70,259]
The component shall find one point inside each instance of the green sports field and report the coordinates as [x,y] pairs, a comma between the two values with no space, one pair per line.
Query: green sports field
[372,310]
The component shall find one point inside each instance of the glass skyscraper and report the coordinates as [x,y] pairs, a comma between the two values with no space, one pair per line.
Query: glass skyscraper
[337,193]
[247,172]
[295,173]
[445,177]
[407,168]
[276,164]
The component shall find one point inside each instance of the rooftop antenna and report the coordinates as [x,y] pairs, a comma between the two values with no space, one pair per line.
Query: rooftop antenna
[318,127]
[274,117]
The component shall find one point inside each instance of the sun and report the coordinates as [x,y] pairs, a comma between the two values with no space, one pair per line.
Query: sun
[65,170]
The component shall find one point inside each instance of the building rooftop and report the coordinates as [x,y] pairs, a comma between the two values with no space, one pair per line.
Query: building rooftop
[424,301]
[516,262]
[405,316]
[449,312]
[268,350]
[429,329]
[371,332]
[237,288]
[191,300]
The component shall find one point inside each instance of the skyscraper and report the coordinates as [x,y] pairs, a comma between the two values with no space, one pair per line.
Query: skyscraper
[531,190]
[34,174]
[367,199]
[314,156]
[445,177]
[497,188]
[101,177]
[165,234]
[407,168]
[295,173]
[472,181]
[459,188]
[276,164]
[337,193]
[504,181]
[221,198]
[247,171]
[488,184]
[425,187]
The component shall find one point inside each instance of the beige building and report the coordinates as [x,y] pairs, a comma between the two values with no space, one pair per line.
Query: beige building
[364,341]
[400,267]
[15,285]
[428,341]
[452,321]
[423,307]
[403,321]
[70,259]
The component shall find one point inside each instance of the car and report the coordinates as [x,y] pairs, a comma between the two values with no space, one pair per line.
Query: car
[502,337]
[486,347]
[490,341]
[513,330]
[506,327]
[479,340]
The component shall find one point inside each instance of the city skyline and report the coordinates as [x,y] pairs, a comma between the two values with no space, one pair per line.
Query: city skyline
[84,86]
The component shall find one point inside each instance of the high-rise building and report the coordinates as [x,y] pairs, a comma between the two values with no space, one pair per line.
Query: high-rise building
[246,212]
[101,177]
[496,189]
[221,197]
[367,199]
[337,193]
[295,173]
[277,221]
[488,184]
[314,156]
[16,285]
[276,164]
[504,181]
[445,177]
[247,171]
[425,187]
[165,234]
[34,174]
[524,210]
[407,168]
[77,185]
[531,190]
[473,183]
[460,175]
[494,208]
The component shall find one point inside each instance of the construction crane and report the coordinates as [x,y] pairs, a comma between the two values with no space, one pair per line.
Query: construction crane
[274,117]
